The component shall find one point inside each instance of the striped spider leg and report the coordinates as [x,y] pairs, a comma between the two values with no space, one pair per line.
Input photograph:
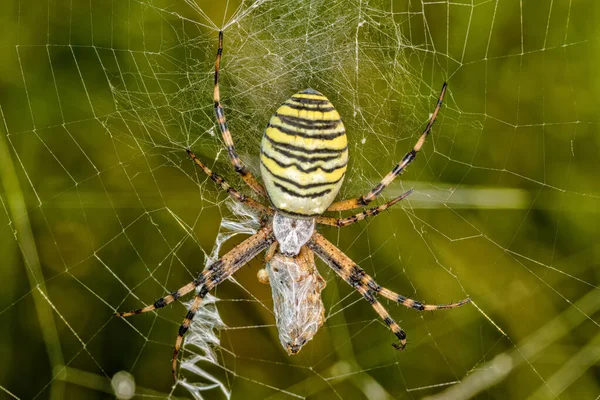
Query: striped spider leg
[367,287]
[371,212]
[398,169]
[218,271]
[212,275]
[236,195]
[237,163]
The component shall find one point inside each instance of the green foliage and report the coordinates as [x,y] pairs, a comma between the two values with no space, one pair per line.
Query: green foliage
[103,211]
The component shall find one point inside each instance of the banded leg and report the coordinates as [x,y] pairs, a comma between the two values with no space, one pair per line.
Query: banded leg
[183,328]
[359,217]
[238,165]
[366,285]
[387,319]
[168,299]
[221,270]
[218,179]
[214,274]
[398,169]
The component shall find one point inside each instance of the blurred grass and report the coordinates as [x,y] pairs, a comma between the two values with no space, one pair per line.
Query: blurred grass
[99,101]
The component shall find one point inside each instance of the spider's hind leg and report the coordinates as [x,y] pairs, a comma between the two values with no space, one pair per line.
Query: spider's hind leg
[398,169]
[237,163]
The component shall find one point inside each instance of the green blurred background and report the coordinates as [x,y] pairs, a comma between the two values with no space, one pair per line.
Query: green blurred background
[102,210]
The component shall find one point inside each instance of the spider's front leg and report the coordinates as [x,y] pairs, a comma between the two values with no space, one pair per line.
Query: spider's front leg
[367,287]
[212,275]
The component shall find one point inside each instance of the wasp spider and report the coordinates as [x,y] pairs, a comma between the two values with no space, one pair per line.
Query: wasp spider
[303,158]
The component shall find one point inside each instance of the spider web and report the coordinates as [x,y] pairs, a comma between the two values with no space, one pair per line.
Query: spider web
[103,211]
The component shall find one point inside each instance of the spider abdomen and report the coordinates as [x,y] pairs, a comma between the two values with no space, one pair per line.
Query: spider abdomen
[304,153]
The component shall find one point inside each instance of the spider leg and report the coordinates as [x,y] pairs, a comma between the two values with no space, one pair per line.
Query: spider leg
[238,165]
[218,179]
[359,217]
[223,269]
[387,319]
[366,285]
[398,169]
[168,299]
[214,274]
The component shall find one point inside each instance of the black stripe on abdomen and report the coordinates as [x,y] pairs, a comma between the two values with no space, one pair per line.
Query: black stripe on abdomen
[313,168]
[289,130]
[308,152]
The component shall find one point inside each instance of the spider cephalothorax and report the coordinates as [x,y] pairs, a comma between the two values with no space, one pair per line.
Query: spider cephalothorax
[291,233]
[304,153]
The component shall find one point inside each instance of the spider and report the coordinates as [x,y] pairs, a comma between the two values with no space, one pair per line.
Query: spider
[303,158]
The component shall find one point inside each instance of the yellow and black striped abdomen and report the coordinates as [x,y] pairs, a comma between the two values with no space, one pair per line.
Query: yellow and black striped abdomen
[304,154]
